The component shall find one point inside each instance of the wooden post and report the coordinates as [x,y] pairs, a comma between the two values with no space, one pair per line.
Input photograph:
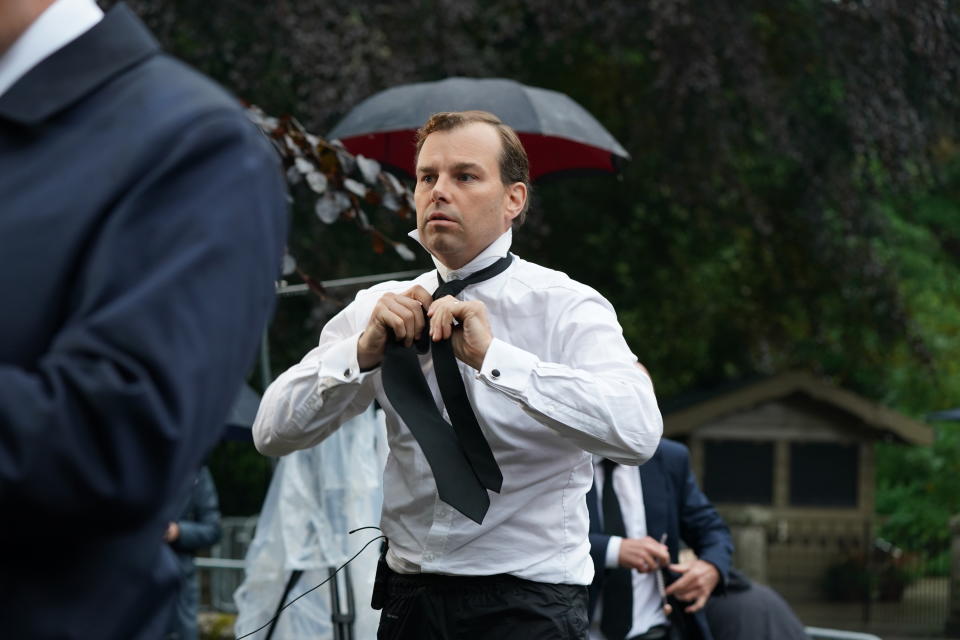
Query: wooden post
[953,618]
[749,531]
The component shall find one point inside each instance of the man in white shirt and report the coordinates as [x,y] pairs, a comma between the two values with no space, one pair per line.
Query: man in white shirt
[550,379]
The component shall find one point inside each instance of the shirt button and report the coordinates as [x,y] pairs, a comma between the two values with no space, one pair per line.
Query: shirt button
[495,373]
[346,373]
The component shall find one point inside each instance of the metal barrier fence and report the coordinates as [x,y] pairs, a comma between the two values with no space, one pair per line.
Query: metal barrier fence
[817,633]
[222,572]
[821,568]
[836,574]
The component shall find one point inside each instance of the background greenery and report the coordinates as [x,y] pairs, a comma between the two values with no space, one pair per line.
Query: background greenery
[793,199]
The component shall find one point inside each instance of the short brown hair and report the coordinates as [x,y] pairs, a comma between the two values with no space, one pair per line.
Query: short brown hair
[514,165]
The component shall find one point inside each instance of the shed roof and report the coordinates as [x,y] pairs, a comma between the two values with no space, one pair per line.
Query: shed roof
[691,411]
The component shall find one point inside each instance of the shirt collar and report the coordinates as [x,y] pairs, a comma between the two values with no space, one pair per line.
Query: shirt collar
[496,250]
[61,23]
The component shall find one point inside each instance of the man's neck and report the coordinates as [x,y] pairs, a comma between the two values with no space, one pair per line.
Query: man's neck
[494,251]
[16,18]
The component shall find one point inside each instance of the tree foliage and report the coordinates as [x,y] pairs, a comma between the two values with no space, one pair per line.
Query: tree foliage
[793,198]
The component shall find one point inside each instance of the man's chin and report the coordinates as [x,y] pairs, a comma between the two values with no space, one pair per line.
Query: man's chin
[442,248]
[437,240]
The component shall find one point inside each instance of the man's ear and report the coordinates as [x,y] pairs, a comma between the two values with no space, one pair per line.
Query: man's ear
[516,198]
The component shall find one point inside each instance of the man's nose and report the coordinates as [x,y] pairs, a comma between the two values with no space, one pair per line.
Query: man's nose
[439,192]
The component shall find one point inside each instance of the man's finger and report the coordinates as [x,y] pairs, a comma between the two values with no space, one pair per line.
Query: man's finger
[649,562]
[659,552]
[691,591]
[448,325]
[406,316]
[416,316]
[680,585]
[442,322]
[441,303]
[419,294]
[442,314]
[697,605]
[393,322]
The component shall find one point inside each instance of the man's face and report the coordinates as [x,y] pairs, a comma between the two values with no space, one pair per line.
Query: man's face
[462,204]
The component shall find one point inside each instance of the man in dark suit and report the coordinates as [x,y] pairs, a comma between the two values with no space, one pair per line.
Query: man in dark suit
[142,221]
[637,520]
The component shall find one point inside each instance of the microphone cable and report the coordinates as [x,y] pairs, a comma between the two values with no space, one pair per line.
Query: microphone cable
[332,575]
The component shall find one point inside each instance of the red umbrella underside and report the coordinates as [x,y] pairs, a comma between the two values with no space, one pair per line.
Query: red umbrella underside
[548,154]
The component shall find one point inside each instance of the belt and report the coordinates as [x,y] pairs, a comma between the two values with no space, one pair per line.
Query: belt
[455,583]
[658,632]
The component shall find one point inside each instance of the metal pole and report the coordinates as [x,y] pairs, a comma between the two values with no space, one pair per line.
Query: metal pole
[297,289]
[265,377]
[868,569]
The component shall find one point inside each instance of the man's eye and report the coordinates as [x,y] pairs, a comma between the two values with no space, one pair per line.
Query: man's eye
[466,177]
[427,179]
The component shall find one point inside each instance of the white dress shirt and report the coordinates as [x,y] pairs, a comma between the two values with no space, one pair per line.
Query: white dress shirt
[61,23]
[647,610]
[557,382]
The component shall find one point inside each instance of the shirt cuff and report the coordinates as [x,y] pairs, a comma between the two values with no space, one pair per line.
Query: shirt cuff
[507,367]
[339,364]
[613,552]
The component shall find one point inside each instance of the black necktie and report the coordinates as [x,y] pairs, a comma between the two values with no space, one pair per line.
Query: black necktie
[617,616]
[460,458]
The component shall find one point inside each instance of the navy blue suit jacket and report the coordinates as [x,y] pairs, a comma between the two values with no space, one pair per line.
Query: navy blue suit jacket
[142,223]
[674,505]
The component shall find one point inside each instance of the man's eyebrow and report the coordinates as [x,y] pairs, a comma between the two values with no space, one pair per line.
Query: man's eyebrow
[467,166]
[457,168]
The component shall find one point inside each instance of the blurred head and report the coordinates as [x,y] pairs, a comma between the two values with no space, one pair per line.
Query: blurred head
[15,17]
[472,184]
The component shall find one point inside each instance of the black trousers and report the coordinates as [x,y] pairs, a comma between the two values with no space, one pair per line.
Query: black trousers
[502,607]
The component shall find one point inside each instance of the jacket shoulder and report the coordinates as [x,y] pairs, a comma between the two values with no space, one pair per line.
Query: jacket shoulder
[673,449]
[165,90]
[675,457]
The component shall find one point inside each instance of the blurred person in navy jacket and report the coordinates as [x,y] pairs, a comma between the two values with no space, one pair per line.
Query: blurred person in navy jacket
[142,222]
[658,501]
[197,527]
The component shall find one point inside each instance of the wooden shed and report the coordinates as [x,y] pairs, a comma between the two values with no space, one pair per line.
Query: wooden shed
[789,462]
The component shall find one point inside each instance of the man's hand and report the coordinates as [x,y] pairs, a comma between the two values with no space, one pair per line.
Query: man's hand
[644,554]
[172,532]
[695,585]
[402,313]
[471,337]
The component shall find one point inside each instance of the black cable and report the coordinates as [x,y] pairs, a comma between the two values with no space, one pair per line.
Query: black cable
[354,557]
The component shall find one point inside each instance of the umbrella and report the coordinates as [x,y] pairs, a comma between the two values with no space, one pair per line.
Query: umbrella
[949,414]
[558,134]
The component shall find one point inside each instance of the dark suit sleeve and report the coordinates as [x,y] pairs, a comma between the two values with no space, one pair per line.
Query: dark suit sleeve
[203,528]
[598,550]
[701,527]
[170,298]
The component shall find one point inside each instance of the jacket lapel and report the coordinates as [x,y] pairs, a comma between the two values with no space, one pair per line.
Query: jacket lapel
[115,43]
[656,499]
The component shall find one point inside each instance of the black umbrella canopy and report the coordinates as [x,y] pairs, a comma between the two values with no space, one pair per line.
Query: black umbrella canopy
[558,134]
